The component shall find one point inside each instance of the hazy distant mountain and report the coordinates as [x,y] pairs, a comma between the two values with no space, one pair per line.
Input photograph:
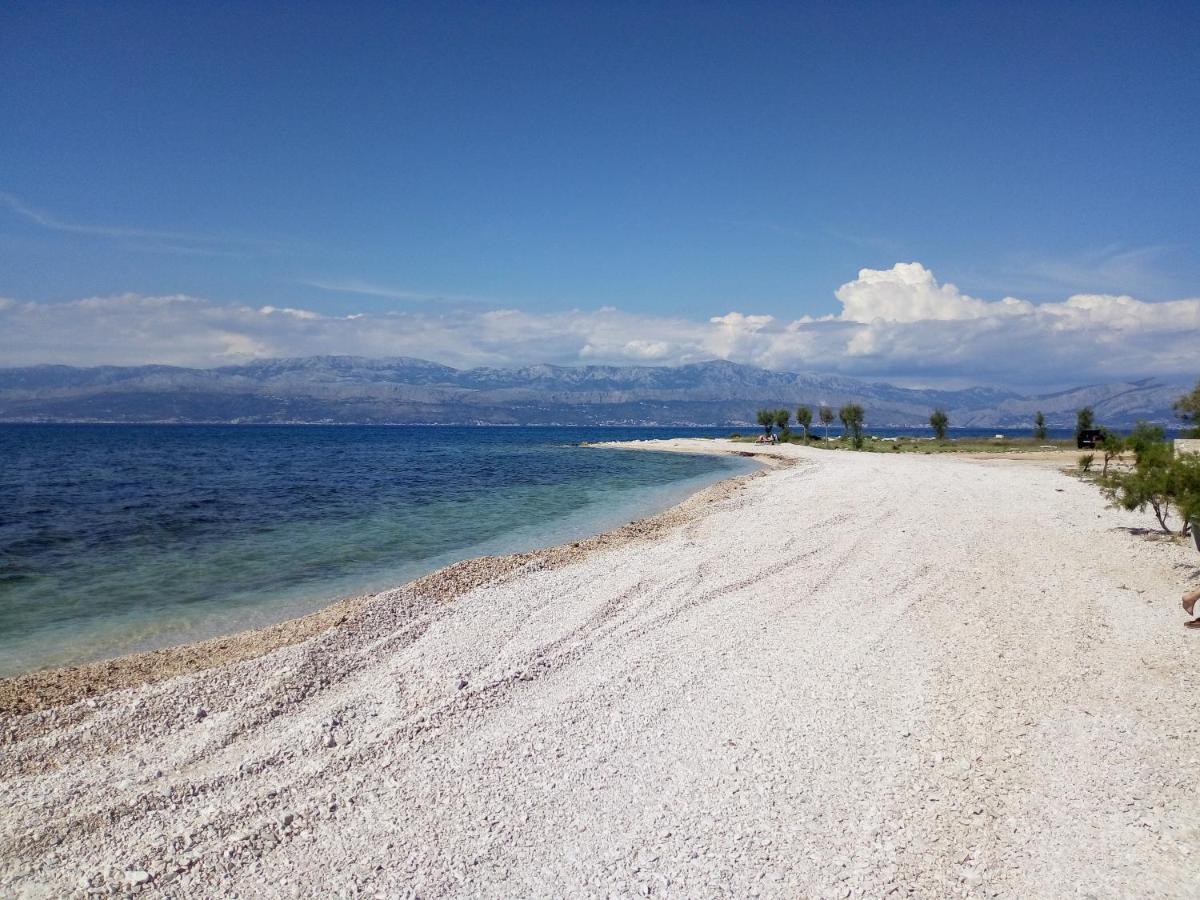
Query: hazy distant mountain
[402,390]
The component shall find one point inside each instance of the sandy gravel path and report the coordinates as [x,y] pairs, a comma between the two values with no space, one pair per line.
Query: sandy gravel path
[861,675]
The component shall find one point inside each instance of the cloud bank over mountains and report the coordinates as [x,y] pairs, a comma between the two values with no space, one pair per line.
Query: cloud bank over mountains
[897,323]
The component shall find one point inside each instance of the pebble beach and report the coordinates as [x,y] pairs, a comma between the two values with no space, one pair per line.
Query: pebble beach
[844,675]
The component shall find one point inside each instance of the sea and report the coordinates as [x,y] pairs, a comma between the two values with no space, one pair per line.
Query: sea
[115,538]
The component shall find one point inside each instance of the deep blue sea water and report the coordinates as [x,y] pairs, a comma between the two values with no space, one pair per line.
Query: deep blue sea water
[123,537]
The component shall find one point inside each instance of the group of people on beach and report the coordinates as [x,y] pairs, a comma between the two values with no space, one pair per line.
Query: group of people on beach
[767,439]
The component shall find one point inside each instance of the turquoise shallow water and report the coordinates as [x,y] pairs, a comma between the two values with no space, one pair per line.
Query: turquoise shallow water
[117,538]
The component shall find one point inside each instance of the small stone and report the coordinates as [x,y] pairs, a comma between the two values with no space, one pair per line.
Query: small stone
[201,713]
[329,740]
[287,819]
[137,876]
[462,683]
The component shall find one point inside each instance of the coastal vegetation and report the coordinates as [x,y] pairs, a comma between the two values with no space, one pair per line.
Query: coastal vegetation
[851,416]
[1187,408]
[826,418]
[1166,482]
[766,418]
[1159,479]
[804,419]
[1039,426]
[939,422]
[781,421]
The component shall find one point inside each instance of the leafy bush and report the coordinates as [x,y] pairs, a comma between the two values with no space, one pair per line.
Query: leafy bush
[1039,426]
[1187,488]
[1085,462]
[1159,480]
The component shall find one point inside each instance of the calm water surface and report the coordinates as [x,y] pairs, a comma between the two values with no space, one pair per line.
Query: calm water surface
[114,538]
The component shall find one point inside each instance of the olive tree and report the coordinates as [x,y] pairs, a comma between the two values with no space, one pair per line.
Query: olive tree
[804,420]
[766,418]
[852,420]
[1039,426]
[826,415]
[782,416]
[938,421]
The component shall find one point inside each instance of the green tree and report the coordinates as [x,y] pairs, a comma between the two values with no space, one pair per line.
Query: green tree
[804,420]
[826,415]
[1145,438]
[1187,488]
[852,419]
[938,421]
[1084,419]
[1156,480]
[1114,446]
[1039,426]
[766,418]
[781,419]
[1187,408]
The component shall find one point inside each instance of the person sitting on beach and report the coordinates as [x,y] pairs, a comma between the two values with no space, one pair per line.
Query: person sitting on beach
[1189,607]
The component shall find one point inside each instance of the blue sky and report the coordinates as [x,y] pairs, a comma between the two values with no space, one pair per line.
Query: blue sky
[676,161]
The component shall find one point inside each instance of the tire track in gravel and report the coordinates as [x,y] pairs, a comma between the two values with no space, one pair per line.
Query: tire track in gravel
[808,690]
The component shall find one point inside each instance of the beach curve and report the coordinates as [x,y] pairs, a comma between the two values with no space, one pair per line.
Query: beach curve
[863,674]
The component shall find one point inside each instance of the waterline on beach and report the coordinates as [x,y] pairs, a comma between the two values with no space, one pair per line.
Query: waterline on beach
[155,557]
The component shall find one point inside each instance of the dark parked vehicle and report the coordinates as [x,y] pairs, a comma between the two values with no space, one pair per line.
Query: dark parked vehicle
[1090,438]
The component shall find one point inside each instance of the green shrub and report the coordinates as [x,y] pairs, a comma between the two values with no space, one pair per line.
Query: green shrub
[1085,462]
[1159,480]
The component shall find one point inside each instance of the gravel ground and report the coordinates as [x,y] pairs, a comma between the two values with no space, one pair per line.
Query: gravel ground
[860,675]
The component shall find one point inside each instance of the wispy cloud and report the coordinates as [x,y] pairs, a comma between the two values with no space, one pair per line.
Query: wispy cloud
[1116,268]
[367,289]
[153,240]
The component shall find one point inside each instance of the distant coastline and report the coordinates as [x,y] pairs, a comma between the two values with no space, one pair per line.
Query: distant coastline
[404,391]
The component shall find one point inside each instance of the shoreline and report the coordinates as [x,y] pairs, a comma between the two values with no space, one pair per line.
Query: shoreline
[55,686]
[861,675]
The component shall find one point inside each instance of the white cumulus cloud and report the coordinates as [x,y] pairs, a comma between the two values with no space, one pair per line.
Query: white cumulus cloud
[908,292]
[897,323]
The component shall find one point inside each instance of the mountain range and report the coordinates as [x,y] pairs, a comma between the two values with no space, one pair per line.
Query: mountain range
[346,389]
